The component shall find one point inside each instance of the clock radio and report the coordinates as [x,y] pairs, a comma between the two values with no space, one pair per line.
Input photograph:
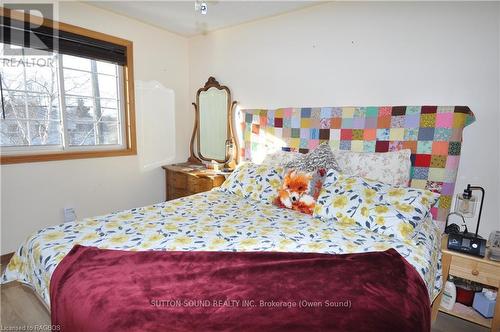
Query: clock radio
[468,244]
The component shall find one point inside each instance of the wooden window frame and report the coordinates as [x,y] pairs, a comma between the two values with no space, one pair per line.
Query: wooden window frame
[129,135]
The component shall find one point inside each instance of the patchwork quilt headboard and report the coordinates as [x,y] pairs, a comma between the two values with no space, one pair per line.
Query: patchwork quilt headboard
[433,133]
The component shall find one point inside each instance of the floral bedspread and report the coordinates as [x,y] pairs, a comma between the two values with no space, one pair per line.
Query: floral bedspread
[214,221]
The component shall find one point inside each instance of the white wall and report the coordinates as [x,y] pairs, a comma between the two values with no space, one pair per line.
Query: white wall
[354,53]
[34,194]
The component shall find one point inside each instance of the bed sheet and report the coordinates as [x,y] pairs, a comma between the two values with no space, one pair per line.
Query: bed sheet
[215,221]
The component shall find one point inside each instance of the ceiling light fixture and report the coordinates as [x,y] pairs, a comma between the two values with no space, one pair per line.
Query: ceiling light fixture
[201,6]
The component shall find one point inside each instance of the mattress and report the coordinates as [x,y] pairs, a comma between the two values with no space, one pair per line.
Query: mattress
[215,221]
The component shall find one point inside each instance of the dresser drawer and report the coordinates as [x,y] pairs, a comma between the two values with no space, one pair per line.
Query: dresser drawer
[198,185]
[178,180]
[174,193]
[476,271]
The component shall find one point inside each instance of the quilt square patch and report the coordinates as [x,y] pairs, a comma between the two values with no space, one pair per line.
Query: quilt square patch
[456,135]
[326,112]
[396,134]
[426,134]
[335,134]
[412,145]
[345,145]
[371,111]
[357,134]
[325,123]
[305,112]
[429,109]
[370,134]
[398,121]
[336,123]
[411,134]
[420,173]
[428,120]
[444,120]
[315,113]
[384,122]
[369,146]
[358,123]
[324,134]
[447,189]
[346,134]
[438,161]
[412,121]
[371,122]
[442,134]
[314,133]
[357,146]
[423,160]
[440,148]
[424,147]
[398,111]
[347,123]
[383,134]
[381,146]
[454,148]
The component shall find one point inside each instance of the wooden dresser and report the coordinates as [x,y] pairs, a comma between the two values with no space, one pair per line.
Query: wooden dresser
[187,179]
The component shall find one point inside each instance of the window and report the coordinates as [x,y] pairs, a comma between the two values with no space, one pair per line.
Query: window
[60,102]
[59,105]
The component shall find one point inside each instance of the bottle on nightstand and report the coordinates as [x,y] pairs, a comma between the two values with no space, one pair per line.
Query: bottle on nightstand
[449,295]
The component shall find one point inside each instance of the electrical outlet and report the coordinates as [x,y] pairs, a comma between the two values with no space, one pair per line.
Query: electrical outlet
[69,214]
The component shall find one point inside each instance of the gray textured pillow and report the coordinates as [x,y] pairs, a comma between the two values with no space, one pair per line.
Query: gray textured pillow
[321,157]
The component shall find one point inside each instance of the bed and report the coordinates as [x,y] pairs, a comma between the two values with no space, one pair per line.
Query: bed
[207,221]
[220,221]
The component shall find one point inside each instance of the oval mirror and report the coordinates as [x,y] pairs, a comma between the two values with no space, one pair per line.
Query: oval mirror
[214,118]
[213,127]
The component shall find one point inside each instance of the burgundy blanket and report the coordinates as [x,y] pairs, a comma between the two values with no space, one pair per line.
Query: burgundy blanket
[110,290]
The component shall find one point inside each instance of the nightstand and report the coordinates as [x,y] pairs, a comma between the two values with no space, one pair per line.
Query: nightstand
[481,270]
[187,179]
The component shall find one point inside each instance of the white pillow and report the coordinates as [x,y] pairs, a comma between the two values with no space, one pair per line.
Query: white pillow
[387,167]
[280,158]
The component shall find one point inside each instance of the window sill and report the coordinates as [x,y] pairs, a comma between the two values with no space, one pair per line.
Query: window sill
[34,158]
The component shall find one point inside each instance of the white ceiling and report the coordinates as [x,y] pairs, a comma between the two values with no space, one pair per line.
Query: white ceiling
[180,16]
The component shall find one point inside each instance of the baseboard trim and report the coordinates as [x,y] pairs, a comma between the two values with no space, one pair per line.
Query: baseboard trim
[5,259]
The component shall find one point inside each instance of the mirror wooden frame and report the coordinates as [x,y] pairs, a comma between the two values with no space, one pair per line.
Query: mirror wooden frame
[231,144]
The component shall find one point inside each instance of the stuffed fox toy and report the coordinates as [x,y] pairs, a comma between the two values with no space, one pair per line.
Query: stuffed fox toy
[294,193]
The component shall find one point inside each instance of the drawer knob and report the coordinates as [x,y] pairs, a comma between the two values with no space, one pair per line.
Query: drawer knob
[475,272]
